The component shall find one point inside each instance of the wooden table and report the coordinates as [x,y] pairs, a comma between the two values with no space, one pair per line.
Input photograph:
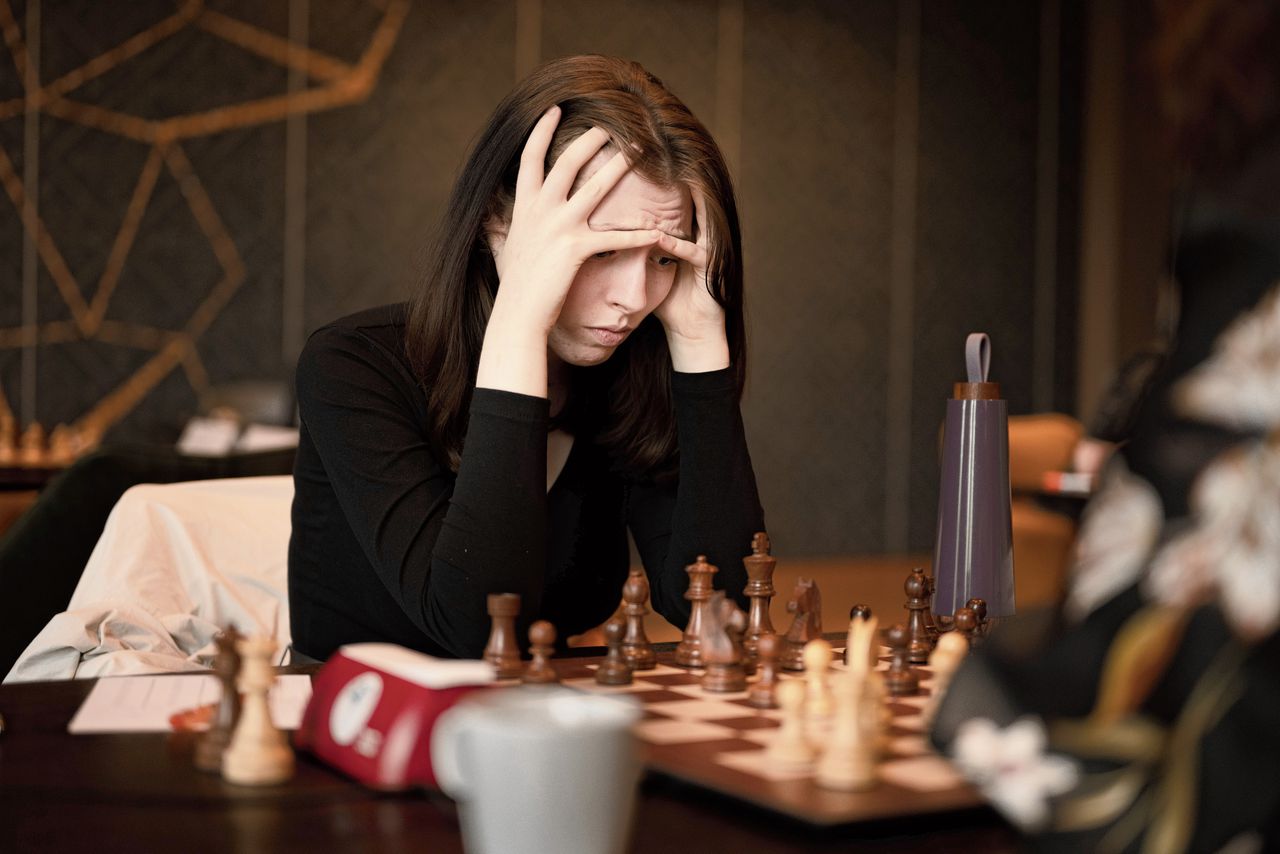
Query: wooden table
[139,792]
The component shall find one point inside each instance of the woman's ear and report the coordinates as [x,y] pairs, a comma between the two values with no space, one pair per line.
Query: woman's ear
[495,234]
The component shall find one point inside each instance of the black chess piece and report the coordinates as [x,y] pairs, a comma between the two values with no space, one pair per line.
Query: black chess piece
[966,623]
[614,670]
[502,650]
[981,625]
[689,650]
[806,605]
[226,666]
[722,651]
[542,639]
[761,694]
[860,611]
[636,648]
[920,644]
[900,680]
[760,590]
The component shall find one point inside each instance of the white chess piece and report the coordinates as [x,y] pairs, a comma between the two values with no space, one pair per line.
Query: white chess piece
[848,763]
[947,654]
[862,648]
[258,754]
[873,712]
[790,745]
[817,669]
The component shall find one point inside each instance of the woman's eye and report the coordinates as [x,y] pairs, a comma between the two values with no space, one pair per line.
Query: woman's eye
[607,253]
[667,262]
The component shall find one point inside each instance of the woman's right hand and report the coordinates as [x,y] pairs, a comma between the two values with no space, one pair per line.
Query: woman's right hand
[544,245]
[548,238]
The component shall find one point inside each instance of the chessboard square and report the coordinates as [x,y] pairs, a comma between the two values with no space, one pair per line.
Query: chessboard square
[909,745]
[763,736]
[910,723]
[701,710]
[589,683]
[680,731]
[657,694]
[680,677]
[921,774]
[664,670]
[700,692]
[758,764]
[749,722]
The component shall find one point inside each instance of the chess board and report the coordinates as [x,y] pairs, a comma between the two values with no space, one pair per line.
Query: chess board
[718,741]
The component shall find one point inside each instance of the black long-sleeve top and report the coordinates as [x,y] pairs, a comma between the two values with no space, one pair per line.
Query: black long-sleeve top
[389,544]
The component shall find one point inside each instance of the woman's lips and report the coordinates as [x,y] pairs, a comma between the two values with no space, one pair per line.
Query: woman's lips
[607,337]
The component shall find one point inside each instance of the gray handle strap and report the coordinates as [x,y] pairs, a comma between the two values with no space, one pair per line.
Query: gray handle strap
[977,356]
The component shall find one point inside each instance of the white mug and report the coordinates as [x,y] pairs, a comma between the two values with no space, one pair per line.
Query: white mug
[539,769]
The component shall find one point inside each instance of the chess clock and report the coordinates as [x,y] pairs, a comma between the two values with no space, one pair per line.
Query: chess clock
[373,707]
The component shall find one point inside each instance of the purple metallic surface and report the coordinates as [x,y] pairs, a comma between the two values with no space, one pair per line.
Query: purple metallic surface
[973,555]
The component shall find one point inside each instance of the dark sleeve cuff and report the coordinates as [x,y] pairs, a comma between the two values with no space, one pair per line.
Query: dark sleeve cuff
[705,384]
[509,405]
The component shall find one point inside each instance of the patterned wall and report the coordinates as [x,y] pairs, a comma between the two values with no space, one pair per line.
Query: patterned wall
[191,187]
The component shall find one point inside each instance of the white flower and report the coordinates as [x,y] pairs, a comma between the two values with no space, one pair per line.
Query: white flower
[1239,385]
[1012,769]
[1119,530]
[1234,548]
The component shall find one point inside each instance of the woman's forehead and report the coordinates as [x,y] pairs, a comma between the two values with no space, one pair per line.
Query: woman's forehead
[636,202]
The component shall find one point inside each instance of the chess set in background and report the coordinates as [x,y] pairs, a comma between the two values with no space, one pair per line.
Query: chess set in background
[31,448]
[826,732]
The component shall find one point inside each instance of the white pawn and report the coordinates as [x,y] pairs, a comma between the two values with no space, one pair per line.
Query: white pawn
[848,763]
[873,712]
[950,650]
[790,745]
[817,667]
[861,647]
[258,754]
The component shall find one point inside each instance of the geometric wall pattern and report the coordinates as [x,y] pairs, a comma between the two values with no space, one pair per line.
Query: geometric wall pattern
[166,333]
[214,179]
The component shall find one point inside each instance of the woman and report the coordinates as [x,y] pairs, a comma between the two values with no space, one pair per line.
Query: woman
[569,368]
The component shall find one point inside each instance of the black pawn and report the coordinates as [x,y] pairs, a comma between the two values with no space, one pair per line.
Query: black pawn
[614,670]
[636,648]
[981,626]
[919,643]
[542,639]
[900,680]
[966,623]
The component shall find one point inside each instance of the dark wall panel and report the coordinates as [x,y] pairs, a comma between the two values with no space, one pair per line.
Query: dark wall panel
[976,216]
[379,174]
[815,185]
[673,39]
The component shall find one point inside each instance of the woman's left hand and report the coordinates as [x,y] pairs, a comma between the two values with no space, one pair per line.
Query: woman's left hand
[693,320]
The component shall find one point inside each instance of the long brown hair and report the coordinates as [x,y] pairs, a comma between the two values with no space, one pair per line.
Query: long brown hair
[626,402]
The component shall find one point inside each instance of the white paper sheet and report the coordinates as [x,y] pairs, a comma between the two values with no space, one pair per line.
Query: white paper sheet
[145,703]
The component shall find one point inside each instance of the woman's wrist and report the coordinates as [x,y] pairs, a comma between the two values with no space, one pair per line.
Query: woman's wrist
[698,354]
[513,356]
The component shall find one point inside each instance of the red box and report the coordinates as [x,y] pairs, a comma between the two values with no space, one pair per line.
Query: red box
[373,707]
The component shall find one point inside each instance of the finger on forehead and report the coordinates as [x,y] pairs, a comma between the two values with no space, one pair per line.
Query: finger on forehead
[569,164]
[529,180]
[599,184]
[606,241]
[685,250]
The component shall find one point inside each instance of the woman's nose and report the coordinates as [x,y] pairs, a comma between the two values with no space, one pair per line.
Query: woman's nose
[627,285]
